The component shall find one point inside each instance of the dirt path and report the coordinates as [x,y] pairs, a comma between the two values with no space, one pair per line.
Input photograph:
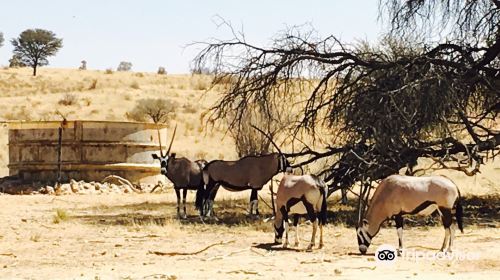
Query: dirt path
[110,236]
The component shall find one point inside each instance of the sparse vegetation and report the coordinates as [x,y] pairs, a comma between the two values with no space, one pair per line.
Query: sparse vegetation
[135,85]
[35,237]
[108,71]
[93,85]
[156,110]
[60,216]
[68,100]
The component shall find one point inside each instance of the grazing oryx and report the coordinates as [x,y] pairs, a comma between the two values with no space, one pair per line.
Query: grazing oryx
[398,195]
[247,173]
[183,173]
[304,194]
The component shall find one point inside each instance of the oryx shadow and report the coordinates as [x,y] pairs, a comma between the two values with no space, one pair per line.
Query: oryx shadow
[274,247]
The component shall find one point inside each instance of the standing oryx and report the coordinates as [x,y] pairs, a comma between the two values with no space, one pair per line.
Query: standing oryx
[398,195]
[183,173]
[247,173]
[304,194]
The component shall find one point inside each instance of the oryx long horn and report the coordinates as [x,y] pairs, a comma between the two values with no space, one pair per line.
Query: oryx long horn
[268,137]
[159,139]
[172,141]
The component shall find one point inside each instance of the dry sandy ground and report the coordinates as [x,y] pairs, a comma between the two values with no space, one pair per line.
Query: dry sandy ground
[110,236]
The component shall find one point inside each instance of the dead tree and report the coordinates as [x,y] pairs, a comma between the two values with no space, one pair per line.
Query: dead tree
[384,105]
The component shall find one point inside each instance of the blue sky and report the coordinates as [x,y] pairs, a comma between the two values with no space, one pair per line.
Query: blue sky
[154,33]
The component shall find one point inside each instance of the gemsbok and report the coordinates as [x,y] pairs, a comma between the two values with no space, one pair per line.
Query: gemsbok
[398,195]
[183,173]
[305,194]
[247,173]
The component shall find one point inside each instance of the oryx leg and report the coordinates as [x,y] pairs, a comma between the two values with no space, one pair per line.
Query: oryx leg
[285,224]
[184,194]
[296,219]
[447,219]
[210,202]
[320,236]
[254,203]
[314,220]
[399,227]
[178,194]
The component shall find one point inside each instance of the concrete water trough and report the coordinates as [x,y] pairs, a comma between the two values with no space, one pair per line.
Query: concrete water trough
[88,150]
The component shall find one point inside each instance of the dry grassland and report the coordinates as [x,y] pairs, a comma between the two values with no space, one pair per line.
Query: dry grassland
[113,236]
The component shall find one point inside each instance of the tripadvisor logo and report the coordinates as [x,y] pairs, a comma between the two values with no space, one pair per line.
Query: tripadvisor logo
[386,254]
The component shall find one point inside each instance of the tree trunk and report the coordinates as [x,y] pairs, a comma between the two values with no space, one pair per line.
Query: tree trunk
[34,70]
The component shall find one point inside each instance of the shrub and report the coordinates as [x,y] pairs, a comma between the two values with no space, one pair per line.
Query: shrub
[68,100]
[135,85]
[108,71]
[162,71]
[93,85]
[150,109]
[124,66]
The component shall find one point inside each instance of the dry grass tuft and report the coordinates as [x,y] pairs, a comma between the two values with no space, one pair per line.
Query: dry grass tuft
[68,100]
[61,215]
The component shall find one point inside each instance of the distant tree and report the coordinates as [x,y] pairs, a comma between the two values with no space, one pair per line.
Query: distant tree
[83,66]
[157,110]
[162,71]
[124,66]
[34,46]
[1,39]
[16,61]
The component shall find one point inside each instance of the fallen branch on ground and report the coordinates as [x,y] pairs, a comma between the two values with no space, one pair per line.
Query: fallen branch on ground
[120,180]
[187,254]
[8,255]
[226,255]
[243,271]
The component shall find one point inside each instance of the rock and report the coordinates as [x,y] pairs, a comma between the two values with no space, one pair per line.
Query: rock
[50,190]
[74,186]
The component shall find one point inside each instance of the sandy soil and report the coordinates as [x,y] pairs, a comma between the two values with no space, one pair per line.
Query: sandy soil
[111,236]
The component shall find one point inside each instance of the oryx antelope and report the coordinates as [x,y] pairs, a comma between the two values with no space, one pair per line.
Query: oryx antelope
[247,173]
[183,173]
[305,194]
[398,195]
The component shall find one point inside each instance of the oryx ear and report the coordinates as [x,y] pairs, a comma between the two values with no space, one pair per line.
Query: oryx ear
[365,222]
[155,156]
[172,155]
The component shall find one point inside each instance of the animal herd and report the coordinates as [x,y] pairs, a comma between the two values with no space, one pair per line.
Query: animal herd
[395,196]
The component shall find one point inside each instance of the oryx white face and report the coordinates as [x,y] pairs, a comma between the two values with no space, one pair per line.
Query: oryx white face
[364,238]
[163,163]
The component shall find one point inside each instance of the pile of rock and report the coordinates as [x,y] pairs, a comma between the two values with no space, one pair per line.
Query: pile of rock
[80,187]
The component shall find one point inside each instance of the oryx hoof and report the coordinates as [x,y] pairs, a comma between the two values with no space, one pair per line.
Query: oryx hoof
[297,244]
[321,246]
[309,248]
[285,245]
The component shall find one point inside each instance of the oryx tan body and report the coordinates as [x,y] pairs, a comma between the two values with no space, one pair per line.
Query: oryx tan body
[398,195]
[305,194]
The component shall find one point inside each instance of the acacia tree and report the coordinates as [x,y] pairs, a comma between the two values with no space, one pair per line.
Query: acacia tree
[1,39]
[34,46]
[384,105]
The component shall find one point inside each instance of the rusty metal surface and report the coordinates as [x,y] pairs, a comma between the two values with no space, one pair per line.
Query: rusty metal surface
[91,150]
